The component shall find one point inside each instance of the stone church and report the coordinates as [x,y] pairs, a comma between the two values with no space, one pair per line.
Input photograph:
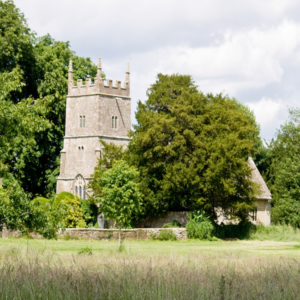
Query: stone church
[103,111]
[94,111]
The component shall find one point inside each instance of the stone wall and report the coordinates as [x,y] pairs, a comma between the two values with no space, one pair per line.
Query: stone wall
[105,234]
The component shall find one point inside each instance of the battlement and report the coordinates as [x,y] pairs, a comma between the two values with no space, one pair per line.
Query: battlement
[99,86]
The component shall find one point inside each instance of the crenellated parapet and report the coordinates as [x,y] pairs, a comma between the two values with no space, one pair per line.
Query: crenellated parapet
[99,86]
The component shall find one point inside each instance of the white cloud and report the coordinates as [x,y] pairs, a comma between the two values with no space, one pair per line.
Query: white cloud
[248,49]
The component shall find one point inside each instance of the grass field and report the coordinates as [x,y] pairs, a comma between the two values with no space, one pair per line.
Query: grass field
[156,247]
[43,269]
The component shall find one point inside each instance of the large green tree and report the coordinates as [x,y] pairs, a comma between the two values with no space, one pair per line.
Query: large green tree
[43,63]
[285,171]
[191,150]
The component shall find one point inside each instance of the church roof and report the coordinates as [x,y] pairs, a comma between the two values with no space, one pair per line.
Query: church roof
[257,178]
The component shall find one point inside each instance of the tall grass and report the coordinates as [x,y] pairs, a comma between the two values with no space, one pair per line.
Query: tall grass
[47,275]
[283,233]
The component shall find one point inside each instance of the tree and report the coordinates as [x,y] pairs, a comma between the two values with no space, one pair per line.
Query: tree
[110,153]
[285,171]
[191,150]
[121,199]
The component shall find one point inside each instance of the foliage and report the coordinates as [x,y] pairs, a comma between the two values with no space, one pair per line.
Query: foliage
[86,250]
[243,230]
[73,213]
[18,212]
[110,153]
[173,224]
[285,172]
[90,211]
[164,235]
[81,224]
[121,199]
[43,64]
[191,150]
[199,226]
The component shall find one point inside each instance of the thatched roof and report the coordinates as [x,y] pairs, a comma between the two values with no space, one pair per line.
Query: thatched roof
[256,177]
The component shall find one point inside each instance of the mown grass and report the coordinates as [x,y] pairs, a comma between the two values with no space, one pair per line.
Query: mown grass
[41,273]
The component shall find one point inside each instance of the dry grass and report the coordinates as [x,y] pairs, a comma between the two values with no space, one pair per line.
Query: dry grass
[28,273]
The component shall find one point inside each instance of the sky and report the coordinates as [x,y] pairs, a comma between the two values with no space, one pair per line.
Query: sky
[249,50]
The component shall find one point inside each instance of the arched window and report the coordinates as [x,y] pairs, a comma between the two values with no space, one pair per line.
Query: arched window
[112,122]
[84,192]
[83,121]
[115,122]
[80,192]
[80,121]
[82,153]
[76,190]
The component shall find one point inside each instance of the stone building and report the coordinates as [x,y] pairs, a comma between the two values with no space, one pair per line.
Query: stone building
[96,110]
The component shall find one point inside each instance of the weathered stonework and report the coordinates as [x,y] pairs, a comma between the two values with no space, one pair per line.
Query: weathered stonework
[94,111]
[106,234]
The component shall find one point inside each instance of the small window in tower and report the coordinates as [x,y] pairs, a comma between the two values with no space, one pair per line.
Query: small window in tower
[82,153]
[116,120]
[83,121]
[84,191]
[80,192]
[112,122]
[80,121]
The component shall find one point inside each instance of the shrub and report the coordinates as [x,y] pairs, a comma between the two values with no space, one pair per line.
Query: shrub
[199,226]
[86,250]
[233,231]
[173,224]
[81,224]
[164,235]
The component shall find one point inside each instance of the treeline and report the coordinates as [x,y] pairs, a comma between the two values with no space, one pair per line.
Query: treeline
[189,150]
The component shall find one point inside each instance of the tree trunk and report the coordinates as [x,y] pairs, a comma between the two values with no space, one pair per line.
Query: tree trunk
[120,241]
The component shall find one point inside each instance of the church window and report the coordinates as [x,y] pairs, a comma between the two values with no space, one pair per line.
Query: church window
[82,153]
[80,121]
[116,122]
[84,192]
[83,121]
[76,190]
[254,214]
[80,192]
[112,122]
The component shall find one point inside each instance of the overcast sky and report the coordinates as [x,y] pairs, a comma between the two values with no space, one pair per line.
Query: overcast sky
[249,50]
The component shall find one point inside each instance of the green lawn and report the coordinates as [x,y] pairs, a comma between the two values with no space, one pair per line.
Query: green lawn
[157,247]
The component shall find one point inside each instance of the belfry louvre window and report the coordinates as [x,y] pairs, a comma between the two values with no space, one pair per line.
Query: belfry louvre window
[114,122]
[82,121]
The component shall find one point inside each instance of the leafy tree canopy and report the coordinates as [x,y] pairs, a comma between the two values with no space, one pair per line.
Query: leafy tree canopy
[191,149]
[285,171]
[121,200]
[43,64]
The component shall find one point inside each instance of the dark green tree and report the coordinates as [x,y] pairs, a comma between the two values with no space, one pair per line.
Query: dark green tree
[43,63]
[191,150]
[285,172]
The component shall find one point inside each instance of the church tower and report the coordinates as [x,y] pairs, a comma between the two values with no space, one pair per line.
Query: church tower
[94,111]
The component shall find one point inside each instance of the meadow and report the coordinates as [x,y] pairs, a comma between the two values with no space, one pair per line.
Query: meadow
[80,269]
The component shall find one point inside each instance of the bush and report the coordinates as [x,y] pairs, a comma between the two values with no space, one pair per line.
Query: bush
[164,235]
[173,224]
[86,250]
[81,224]
[233,231]
[199,226]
